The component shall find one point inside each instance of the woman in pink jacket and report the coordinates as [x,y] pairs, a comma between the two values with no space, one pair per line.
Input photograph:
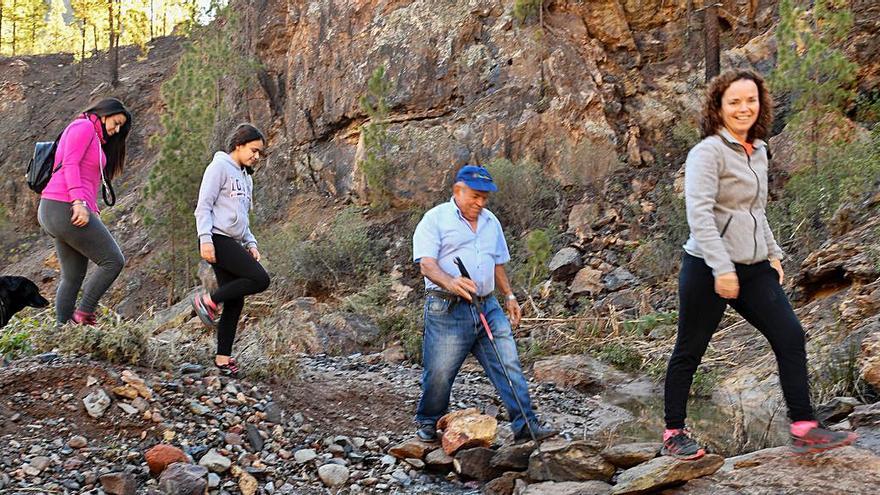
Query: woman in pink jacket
[91,150]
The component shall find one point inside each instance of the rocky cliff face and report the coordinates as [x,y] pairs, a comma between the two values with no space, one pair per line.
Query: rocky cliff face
[596,88]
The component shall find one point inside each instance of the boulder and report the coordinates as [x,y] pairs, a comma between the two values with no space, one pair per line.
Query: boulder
[869,360]
[183,479]
[513,457]
[593,487]
[565,264]
[619,278]
[581,217]
[504,484]
[161,456]
[662,472]
[440,460]
[564,460]
[867,415]
[466,428]
[333,475]
[412,448]
[837,409]
[628,455]
[587,281]
[775,471]
[476,464]
[575,371]
[119,483]
[96,403]
[215,462]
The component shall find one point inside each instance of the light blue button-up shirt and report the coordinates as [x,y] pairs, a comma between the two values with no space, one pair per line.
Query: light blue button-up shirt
[444,234]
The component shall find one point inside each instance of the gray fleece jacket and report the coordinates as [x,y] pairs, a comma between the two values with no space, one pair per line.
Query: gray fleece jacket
[225,201]
[725,194]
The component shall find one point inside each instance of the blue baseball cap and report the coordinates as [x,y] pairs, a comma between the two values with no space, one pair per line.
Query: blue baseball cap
[476,178]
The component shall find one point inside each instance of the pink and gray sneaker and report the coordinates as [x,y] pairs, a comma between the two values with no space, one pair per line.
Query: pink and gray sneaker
[818,439]
[83,318]
[205,309]
[679,444]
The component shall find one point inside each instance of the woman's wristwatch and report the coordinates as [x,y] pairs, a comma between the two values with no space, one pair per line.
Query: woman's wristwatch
[511,297]
[79,202]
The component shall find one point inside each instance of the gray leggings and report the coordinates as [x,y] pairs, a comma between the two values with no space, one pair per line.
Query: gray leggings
[75,247]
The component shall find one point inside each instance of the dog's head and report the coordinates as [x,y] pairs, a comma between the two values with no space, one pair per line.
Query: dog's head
[17,293]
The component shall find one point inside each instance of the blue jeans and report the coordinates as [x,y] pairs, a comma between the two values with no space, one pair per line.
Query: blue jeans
[452,331]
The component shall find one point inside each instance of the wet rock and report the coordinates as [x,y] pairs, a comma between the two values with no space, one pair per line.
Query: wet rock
[185,479]
[161,456]
[565,264]
[575,371]
[215,462]
[628,455]
[837,409]
[513,457]
[563,460]
[587,281]
[476,464]
[96,403]
[593,487]
[412,448]
[77,442]
[333,475]
[119,483]
[664,471]
[466,428]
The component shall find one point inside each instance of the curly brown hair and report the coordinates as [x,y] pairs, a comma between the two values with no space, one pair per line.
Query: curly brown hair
[710,120]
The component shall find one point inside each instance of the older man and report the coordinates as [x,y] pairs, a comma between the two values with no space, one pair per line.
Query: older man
[464,228]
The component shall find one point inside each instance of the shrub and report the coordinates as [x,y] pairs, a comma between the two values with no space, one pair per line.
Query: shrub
[111,340]
[529,258]
[621,356]
[343,255]
[526,198]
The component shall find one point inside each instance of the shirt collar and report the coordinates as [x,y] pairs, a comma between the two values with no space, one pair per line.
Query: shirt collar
[730,138]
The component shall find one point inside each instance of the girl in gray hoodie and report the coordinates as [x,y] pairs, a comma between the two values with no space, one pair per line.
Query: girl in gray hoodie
[732,258]
[226,241]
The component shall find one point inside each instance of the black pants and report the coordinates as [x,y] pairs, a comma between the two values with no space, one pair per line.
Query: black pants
[762,303]
[238,275]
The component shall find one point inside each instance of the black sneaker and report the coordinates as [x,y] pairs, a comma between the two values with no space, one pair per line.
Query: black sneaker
[819,439]
[541,433]
[682,446]
[427,432]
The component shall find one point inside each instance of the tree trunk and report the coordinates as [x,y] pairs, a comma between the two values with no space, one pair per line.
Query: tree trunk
[1,27]
[711,42]
[113,55]
[82,60]
[14,25]
[152,8]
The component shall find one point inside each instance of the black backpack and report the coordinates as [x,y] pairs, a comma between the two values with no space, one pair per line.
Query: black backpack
[40,170]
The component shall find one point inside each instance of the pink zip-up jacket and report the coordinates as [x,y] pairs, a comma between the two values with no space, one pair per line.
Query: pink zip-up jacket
[82,158]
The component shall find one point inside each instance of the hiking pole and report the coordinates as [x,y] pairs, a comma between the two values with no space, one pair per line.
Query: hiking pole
[479,308]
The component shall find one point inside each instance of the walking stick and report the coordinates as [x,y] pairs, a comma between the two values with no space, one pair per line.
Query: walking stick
[479,308]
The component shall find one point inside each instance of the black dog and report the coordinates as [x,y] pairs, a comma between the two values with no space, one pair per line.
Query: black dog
[15,294]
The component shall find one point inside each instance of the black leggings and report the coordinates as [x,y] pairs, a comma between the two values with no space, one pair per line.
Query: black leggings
[763,303]
[238,275]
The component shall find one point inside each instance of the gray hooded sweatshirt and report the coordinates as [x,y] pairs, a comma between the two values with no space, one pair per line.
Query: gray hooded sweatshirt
[225,201]
[725,193]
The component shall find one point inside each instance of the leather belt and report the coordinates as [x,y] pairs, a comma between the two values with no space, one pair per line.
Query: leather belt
[454,298]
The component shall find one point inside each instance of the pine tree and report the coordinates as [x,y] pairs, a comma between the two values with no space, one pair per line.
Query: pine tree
[192,100]
[375,165]
[57,36]
[814,71]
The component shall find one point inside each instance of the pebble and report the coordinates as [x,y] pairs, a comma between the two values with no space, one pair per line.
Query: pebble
[304,455]
[77,442]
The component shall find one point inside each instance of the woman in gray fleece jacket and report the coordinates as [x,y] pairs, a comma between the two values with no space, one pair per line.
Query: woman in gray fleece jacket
[732,258]
[226,241]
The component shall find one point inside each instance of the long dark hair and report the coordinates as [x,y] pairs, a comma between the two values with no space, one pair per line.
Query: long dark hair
[243,134]
[710,120]
[114,146]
